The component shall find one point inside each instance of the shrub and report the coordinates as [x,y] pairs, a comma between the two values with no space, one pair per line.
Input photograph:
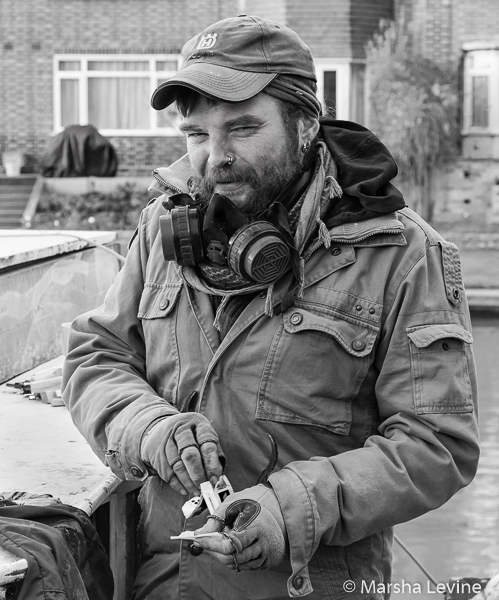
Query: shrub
[118,210]
[413,104]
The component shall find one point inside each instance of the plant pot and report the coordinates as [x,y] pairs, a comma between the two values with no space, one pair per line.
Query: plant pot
[12,163]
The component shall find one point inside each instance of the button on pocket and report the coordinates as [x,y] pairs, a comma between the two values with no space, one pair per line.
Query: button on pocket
[358,345]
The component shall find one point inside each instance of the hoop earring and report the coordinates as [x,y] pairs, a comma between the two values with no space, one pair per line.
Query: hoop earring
[306,146]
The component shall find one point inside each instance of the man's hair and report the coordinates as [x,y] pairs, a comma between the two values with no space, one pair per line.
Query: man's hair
[187,99]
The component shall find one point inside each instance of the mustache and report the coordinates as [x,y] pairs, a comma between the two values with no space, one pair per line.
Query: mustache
[227,175]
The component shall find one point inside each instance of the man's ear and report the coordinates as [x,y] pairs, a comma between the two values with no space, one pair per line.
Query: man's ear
[308,128]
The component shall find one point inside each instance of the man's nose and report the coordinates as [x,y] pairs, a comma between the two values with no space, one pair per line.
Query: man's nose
[219,155]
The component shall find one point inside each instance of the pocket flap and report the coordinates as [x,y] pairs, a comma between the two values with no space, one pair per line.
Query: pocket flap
[428,334]
[356,339]
[158,300]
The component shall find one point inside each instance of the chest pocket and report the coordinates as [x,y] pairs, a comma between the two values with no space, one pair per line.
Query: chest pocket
[314,369]
[158,315]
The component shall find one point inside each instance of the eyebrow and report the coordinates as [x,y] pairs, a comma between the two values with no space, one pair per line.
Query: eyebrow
[244,120]
[241,121]
[184,128]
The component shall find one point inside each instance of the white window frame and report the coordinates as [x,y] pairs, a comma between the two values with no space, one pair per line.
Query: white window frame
[481,58]
[82,77]
[343,84]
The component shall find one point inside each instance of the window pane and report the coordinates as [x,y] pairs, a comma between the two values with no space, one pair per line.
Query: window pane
[118,103]
[330,90]
[69,102]
[167,65]
[118,65]
[480,101]
[69,65]
[168,117]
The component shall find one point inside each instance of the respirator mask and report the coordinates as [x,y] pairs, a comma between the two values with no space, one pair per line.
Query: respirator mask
[221,233]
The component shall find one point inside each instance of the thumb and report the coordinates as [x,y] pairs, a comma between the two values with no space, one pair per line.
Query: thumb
[213,524]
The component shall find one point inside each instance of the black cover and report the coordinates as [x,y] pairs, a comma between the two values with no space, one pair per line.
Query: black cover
[66,559]
[80,151]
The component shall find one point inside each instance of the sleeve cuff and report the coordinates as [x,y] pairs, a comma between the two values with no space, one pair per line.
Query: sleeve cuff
[300,526]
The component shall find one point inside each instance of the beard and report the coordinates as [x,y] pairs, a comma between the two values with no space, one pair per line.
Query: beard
[276,173]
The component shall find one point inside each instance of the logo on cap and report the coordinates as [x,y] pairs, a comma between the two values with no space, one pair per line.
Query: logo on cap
[207,41]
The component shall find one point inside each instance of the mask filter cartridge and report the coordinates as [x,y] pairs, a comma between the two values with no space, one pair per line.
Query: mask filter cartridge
[254,250]
[258,252]
[181,235]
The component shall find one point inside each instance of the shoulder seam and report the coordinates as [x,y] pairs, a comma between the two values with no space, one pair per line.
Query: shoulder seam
[431,242]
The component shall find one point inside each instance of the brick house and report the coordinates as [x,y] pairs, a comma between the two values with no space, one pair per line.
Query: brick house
[56,55]
[465,36]
[98,61]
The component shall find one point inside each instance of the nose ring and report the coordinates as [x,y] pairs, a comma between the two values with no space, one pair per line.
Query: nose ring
[230,159]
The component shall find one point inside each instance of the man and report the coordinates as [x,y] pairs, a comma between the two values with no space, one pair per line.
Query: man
[302,301]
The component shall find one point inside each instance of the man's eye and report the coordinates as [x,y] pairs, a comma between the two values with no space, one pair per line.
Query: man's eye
[244,129]
[196,134]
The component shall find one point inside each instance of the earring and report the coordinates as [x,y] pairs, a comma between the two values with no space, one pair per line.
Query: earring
[230,159]
[306,146]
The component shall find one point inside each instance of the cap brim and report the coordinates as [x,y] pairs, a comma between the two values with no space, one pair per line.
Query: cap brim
[222,83]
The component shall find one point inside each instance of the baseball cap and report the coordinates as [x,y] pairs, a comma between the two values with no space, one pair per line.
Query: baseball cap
[236,58]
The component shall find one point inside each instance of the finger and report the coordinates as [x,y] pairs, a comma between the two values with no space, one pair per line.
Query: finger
[212,525]
[175,484]
[215,544]
[229,560]
[251,557]
[193,463]
[252,565]
[184,478]
[211,460]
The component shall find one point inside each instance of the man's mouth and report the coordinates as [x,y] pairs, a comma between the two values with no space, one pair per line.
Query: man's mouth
[227,187]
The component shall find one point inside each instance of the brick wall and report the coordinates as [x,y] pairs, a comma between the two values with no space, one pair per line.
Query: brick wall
[32,31]
[338,29]
[441,27]
[324,25]
[365,17]
[474,21]
[275,10]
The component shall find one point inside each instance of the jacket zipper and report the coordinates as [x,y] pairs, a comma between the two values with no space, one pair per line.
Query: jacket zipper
[165,184]
[340,240]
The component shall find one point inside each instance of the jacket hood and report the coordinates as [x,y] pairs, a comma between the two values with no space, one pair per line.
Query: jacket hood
[365,170]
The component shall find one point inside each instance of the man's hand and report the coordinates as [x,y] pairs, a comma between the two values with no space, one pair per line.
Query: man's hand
[253,528]
[184,451]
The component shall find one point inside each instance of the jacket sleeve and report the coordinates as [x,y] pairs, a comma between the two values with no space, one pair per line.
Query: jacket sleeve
[427,443]
[104,376]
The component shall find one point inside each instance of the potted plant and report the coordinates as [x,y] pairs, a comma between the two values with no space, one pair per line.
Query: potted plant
[12,161]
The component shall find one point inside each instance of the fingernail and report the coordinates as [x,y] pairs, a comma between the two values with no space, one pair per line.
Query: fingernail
[183,492]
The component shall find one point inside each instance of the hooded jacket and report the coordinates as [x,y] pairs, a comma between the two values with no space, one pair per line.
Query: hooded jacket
[366,382]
